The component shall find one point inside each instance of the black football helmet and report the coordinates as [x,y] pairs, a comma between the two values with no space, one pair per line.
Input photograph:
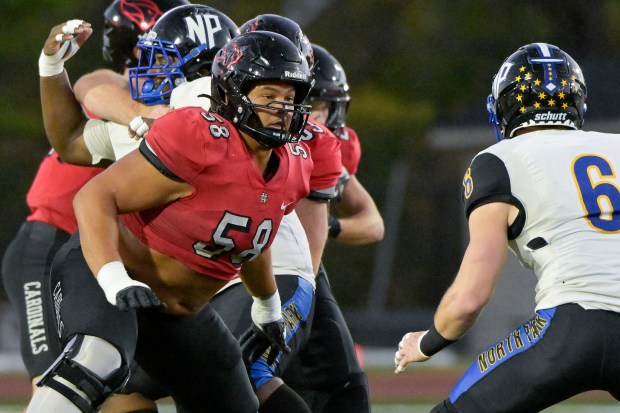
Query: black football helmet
[330,84]
[256,57]
[124,22]
[179,48]
[539,84]
[284,26]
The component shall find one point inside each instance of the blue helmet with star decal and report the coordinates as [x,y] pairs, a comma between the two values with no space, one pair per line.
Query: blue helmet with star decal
[538,85]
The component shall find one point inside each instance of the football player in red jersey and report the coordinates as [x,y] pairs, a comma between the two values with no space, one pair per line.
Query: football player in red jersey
[328,374]
[329,377]
[358,220]
[28,258]
[168,55]
[194,211]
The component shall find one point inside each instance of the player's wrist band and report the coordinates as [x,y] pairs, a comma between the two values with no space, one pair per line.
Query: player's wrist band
[432,342]
[112,278]
[266,309]
[334,228]
[50,65]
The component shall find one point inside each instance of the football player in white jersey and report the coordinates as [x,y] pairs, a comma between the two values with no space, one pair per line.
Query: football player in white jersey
[548,191]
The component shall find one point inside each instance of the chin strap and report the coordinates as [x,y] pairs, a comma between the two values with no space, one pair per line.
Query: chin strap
[493,116]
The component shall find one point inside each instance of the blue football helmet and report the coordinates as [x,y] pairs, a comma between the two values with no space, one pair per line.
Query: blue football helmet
[179,48]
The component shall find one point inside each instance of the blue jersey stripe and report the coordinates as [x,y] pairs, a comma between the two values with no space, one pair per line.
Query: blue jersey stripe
[294,311]
[518,341]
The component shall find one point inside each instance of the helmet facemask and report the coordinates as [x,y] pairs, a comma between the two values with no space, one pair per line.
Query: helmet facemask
[256,58]
[330,86]
[160,69]
[242,113]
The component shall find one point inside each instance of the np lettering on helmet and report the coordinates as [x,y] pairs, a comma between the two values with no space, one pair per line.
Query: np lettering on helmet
[295,75]
[204,28]
[550,116]
[501,75]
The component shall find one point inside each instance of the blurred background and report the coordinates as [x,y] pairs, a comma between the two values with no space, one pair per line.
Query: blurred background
[419,72]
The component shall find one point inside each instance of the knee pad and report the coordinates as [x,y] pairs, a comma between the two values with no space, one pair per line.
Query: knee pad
[87,372]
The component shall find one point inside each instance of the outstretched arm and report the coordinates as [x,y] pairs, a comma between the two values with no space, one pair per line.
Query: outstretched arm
[472,288]
[62,114]
[105,94]
[359,220]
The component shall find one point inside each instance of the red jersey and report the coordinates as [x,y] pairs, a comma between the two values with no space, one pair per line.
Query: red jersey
[325,153]
[233,214]
[50,197]
[351,150]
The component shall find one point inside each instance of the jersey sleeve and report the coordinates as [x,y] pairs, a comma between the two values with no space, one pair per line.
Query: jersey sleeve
[325,152]
[107,140]
[97,140]
[351,150]
[327,169]
[178,141]
[486,181]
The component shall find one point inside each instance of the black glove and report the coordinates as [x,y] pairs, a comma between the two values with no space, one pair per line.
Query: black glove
[333,227]
[343,180]
[138,297]
[258,339]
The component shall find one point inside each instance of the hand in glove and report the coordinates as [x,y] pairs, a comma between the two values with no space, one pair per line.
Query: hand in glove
[125,292]
[268,331]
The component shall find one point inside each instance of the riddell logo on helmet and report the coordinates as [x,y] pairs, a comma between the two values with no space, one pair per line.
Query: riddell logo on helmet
[295,75]
[550,116]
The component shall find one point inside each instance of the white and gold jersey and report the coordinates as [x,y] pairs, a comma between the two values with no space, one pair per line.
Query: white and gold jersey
[566,187]
[107,140]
